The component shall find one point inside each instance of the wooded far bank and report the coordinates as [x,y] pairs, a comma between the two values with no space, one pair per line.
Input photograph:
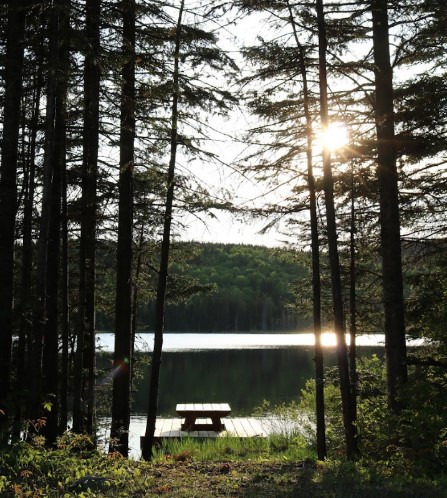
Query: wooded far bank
[232,288]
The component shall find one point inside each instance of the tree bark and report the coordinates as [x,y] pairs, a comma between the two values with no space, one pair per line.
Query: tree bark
[164,257]
[24,312]
[44,347]
[315,250]
[138,265]
[395,345]
[8,195]
[35,367]
[65,309]
[84,397]
[353,303]
[51,338]
[119,433]
[328,184]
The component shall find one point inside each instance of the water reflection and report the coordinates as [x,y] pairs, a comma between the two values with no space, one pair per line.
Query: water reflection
[240,369]
[243,378]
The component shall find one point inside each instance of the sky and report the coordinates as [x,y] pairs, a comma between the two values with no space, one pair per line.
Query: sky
[224,227]
[244,192]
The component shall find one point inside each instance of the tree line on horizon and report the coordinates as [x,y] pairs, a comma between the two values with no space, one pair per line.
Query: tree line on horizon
[106,105]
[248,289]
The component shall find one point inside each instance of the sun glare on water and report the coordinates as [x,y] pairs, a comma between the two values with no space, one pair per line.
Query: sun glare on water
[328,339]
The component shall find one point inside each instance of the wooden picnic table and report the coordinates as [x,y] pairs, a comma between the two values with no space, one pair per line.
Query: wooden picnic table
[192,411]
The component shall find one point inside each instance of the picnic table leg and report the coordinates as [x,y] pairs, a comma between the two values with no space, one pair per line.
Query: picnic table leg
[217,423]
[189,422]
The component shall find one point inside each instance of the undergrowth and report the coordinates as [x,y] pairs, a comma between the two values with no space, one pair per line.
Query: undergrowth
[279,466]
[401,456]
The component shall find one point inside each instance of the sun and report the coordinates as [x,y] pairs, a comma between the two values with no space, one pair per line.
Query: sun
[334,137]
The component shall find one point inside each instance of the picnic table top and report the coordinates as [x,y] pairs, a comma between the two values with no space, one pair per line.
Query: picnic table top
[203,408]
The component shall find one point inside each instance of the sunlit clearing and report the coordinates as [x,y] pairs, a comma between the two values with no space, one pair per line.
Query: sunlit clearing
[334,137]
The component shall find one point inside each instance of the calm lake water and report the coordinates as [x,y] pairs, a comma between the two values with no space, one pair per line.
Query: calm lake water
[239,369]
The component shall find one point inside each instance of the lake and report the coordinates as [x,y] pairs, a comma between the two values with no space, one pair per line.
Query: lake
[240,369]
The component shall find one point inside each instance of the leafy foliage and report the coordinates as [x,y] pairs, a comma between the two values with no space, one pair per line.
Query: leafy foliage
[415,439]
[198,469]
[252,290]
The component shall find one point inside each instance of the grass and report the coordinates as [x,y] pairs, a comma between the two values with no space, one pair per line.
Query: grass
[234,449]
[257,468]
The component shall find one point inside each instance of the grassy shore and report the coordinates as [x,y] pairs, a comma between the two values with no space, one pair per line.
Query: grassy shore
[187,469]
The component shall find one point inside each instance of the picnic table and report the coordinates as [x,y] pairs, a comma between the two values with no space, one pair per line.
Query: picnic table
[192,411]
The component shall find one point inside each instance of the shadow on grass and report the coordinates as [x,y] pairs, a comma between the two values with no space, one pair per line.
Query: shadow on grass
[325,481]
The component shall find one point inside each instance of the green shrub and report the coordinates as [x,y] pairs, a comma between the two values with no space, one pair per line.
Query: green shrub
[415,439]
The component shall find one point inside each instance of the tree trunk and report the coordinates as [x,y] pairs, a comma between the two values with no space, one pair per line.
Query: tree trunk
[328,184]
[164,258]
[119,433]
[39,318]
[8,194]
[353,303]
[22,308]
[395,346]
[315,249]
[25,305]
[41,374]
[65,309]
[84,403]
[51,338]
[138,265]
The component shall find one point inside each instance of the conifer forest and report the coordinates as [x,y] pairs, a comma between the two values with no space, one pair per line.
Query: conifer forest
[117,118]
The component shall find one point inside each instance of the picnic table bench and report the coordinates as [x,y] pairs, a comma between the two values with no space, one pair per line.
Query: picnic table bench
[192,411]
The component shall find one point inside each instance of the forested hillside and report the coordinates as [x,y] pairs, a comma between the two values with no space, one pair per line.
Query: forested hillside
[252,291]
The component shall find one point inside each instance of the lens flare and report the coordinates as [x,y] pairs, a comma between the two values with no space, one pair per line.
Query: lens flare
[334,136]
